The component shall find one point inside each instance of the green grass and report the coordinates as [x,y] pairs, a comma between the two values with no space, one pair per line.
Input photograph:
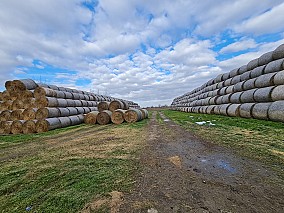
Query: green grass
[257,139]
[44,172]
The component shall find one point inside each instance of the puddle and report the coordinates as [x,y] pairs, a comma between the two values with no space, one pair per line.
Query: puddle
[225,165]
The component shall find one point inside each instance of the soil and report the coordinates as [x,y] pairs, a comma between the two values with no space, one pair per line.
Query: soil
[182,173]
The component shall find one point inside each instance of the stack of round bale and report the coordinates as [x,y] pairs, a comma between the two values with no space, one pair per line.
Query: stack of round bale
[116,112]
[254,90]
[29,107]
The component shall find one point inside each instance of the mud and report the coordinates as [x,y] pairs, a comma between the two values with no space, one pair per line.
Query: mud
[181,173]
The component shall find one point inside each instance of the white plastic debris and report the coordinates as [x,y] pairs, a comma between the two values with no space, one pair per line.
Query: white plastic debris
[152,210]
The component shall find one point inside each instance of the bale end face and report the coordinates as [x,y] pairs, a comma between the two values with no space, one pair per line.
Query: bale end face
[104,117]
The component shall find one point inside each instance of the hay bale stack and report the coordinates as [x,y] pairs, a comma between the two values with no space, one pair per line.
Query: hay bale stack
[274,66]
[260,111]
[24,84]
[47,112]
[104,117]
[29,126]
[17,126]
[133,115]
[47,102]
[248,96]
[236,97]
[117,116]
[265,80]
[145,113]
[17,104]
[17,115]
[104,105]
[246,110]
[41,92]
[91,117]
[275,111]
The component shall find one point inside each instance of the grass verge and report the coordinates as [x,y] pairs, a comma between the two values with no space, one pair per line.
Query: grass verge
[70,169]
[257,139]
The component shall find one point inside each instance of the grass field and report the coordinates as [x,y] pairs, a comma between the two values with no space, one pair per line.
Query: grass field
[257,139]
[68,170]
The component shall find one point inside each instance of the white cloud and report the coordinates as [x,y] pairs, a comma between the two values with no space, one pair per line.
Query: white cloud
[244,44]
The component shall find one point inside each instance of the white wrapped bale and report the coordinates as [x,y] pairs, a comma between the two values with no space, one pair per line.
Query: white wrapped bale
[226,99]
[274,66]
[210,109]
[238,87]
[258,71]
[279,78]
[252,64]
[243,69]
[249,84]
[260,111]
[278,93]
[234,110]
[65,121]
[278,52]
[246,76]
[47,124]
[236,79]
[263,94]
[248,96]
[224,109]
[234,73]
[275,111]
[265,58]
[236,98]
[246,110]
[265,80]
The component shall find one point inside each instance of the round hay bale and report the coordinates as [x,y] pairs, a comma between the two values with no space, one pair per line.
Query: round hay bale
[263,94]
[116,104]
[48,112]
[249,84]
[234,73]
[6,96]
[1,96]
[218,100]
[41,92]
[60,94]
[17,104]
[91,117]
[75,120]
[53,87]
[9,86]
[258,71]
[76,96]
[212,101]
[70,102]
[104,105]
[210,109]
[17,115]
[214,86]
[228,82]
[234,110]
[217,110]
[73,110]
[29,113]
[248,96]
[274,66]
[46,102]
[223,91]
[260,111]
[224,108]
[65,121]
[29,126]
[145,113]
[275,111]
[80,110]
[230,89]
[238,87]
[94,108]
[86,97]
[84,103]
[68,95]
[81,118]
[226,99]
[278,52]
[245,76]
[218,78]
[24,84]
[7,105]
[246,110]
[29,103]
[279,78]
[226,76]
[252,64]
[104,117]
[27,94]
[17,127]
[265,58]
[132,115]
[243,69]
[5,115]
[126,104]
[220,85]
[216,92]
[86,110]
[42,85]
[236,79]
[278,93]
[78,103]
[63,89]
[81,96]
[117,116]
[63,112]
[47,124]
[5,127]
[265,80]
[236,98]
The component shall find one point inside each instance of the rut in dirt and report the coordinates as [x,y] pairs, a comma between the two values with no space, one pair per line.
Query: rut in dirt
[182,173]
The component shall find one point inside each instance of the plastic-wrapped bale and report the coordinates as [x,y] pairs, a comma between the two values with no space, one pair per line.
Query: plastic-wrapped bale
[217,110]
[224,108]
[228,82]
[17,115]
[47,124]
[278,93]
[248,96]
[72,111]
[236,79]
[91,117]
[238,87]
[234,73]
[275,111]
[117,116]
[226,99]
[210,109]
[219,100]
[263,94]
[274,66]
[145,113]
[256,72]
[265,58]
[133,115]
[76,119]
[5,127]
[24,84]
[236,98]
[47,112]
[63,112]
[29,126]
[260,110]
[278,52]
[265,80]
[5,115]
[245,76]
[243,69]
[246,110]
[230,89]
[65,121]
[104,105]
[80,110]
[252,64]
[17,126]
[47,102]
[223,91]
[212,101]
[41,92]
[234,110]
[279,78]
[249,84]
[104,117]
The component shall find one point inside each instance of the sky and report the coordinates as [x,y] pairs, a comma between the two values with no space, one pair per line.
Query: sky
[147,51]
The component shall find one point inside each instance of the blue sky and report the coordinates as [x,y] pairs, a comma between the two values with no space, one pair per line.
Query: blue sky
[142,50]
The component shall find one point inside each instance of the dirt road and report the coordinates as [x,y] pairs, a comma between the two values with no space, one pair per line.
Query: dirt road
[182,173]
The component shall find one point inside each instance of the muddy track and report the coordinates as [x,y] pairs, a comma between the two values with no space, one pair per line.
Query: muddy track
[181,173]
